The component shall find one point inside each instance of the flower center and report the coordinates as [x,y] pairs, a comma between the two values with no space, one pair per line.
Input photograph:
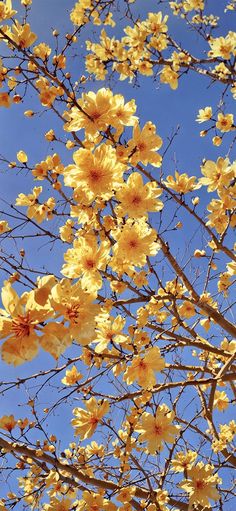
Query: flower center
[158,429]
[73,312]
[95,115]
[200,485]
[21,326]
[94,175]
[136,199]
[89,264]
[93,421]
[133,243]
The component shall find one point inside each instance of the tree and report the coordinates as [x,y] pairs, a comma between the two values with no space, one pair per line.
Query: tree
[116,327]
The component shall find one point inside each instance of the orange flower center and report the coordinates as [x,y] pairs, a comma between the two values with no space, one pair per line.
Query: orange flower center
[133,243]
[73,312]
[95,175]
[93,421]
[89,264]
[21,326]
[136,199]
[141,146]
[95,115]
[200,484]
[158,429]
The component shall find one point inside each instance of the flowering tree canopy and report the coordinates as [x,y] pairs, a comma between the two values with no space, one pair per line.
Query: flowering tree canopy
[117,265]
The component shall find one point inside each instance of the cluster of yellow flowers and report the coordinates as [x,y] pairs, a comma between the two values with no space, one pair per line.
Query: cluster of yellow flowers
[106,222]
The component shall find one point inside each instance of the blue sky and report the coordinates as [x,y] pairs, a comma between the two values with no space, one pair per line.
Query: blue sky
[166,108]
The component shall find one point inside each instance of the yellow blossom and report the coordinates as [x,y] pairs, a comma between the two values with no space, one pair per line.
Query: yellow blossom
[87,259]
[42,51]
[126,494]
[22,35]
[136,198]
[135,241]
[143,369]
[182,183]
[201,484]
[144,144]
[72,376]
[86,421]
[221,400]
[19,323]
[22,157]
[98,173]
[109,329]
[95,502]
[7,422]
[187,309]
[5,99]
[183,461]
[216,174]
[170,77]
[6,10]
[223,46]
[157,429]
[225,122]
[4,227]
[94,449]
[204,114]
[78,309]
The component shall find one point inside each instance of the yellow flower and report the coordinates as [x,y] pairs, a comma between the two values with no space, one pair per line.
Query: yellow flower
[144,144]
[22,157]
[78,309]
[109,329]
[99,110]
[95,450]
[187,309]
[42,51]
[6,10]
[22,35]
[86,421]
[182,183]
[95,502]
[135,241]
[72,376]
[143,369]
[221,400]
[58,505]
[156,22]
[183,461]
[4,227]
[29,113]
[19,323]
[126,494]
[98,173]
[5,99]
[225,122]
[136,198]
[66,231]
[217,141]
[87,259]
[170,77]
[222,46]
[157,429]
[47,94]
[204,114]
[7,422]
[216,174]
[201,484]
[199,253]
